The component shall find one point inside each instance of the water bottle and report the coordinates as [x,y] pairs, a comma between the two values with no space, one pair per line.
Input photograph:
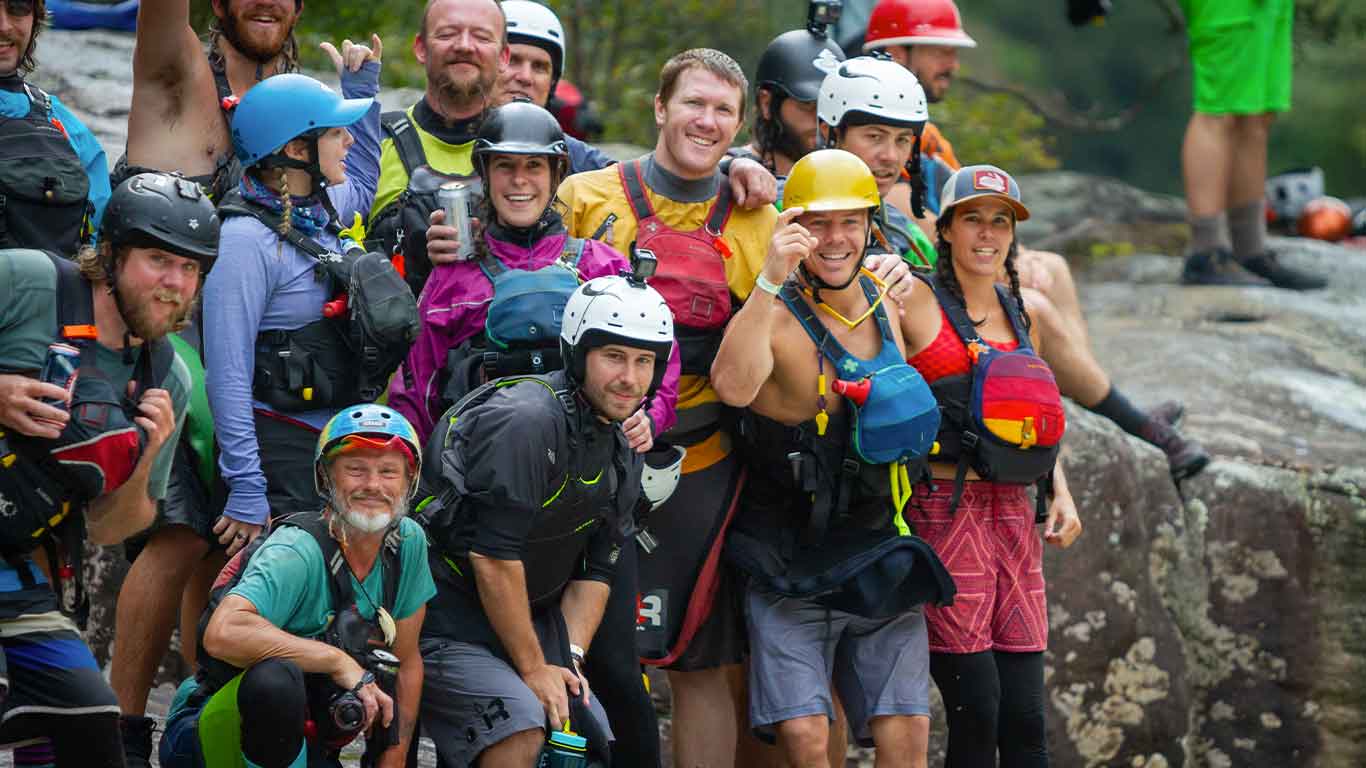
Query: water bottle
[564,749]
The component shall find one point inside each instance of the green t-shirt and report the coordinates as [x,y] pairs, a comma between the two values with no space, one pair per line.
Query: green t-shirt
[286,581]
[28,324]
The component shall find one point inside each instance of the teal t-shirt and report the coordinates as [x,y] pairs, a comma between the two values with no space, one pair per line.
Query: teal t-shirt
[286,581]
[28,324]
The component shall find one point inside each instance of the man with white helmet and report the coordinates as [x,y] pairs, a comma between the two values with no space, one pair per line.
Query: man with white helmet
[925,36]
[530,502]
[876,110]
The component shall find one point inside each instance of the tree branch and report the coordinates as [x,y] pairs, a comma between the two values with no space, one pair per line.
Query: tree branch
[1056,114]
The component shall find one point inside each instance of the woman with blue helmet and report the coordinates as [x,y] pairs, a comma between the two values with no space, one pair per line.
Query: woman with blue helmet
[310,160]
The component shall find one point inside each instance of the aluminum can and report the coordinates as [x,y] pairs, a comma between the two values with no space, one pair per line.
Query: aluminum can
[454,197]
[60,366]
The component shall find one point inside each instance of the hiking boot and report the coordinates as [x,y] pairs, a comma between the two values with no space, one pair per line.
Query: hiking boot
[137,740]
[1268,266]
[1216,267]
[1185,458]
[1169,412]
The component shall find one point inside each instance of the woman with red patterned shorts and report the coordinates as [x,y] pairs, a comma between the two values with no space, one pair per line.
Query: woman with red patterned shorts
[986,649]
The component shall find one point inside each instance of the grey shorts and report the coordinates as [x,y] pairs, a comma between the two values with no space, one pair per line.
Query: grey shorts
[471,700]
[797,647]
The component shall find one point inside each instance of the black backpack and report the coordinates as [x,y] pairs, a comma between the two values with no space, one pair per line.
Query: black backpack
[214,673]
[400,230]
[43,187]
[380,312]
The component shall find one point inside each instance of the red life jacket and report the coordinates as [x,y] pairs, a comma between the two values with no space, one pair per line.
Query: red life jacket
[691,275]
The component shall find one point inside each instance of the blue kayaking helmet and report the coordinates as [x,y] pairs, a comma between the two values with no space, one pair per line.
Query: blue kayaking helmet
[366,426]
[285,107]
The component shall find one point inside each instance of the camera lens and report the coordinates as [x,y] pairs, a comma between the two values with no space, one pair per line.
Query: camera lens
[348,713]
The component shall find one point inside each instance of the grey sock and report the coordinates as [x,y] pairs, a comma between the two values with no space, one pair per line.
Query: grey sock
[1209,232]
[1247,226]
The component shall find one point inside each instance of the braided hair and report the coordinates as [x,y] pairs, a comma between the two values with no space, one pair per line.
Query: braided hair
[948,277]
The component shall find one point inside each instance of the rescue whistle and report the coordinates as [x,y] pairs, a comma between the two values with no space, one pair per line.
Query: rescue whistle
[822,419]
[856,391]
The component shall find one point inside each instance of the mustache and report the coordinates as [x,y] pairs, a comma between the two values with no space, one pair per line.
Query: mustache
[169,297]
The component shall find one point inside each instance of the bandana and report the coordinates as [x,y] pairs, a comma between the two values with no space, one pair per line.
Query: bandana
[307,214]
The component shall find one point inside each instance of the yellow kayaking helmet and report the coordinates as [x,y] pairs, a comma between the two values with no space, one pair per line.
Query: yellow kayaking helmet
[831,180]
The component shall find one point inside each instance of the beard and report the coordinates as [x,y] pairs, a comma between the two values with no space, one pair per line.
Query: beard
[464,91]
[258,48]
[140,319]
[362,522]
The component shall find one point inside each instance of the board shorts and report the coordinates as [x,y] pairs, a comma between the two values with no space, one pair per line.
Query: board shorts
[691,612]
[1241,55]
[187,503]
[46,666]
[798,647]
[995,555]
[471,700]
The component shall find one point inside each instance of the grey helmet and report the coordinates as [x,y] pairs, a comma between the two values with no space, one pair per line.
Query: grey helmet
[163,210]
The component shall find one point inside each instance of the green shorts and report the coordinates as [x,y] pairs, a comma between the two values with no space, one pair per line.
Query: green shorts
[1241,55]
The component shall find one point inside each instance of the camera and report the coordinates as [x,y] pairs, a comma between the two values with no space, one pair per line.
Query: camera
[346,708]
[643,265]
[822,14]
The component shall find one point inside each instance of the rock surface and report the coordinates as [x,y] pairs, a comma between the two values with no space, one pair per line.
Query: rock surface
[1216,625]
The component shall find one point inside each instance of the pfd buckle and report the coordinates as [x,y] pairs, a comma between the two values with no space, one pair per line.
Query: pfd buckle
[647,541]
[849,466]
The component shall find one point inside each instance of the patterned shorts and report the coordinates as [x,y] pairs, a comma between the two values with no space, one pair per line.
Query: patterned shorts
[995,555]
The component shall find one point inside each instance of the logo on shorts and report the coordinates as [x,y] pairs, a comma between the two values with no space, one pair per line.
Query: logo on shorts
[992,181]
[495,711]
[650,610]
[7,507]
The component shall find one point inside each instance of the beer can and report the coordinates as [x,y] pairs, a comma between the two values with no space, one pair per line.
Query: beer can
[454,197]
[60,366]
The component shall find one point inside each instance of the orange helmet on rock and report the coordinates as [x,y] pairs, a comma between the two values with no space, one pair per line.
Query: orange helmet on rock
[916,22]
[1325,218]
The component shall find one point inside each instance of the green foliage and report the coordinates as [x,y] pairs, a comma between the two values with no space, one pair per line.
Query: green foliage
[994,128]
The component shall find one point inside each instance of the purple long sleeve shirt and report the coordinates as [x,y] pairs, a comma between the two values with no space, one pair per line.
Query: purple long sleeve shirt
[262,283]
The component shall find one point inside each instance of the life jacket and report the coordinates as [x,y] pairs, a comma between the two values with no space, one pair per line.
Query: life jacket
[44,192]
[526,312]
[854,551]
[45,485]
[227,169]
[586,499]
[213,673]
[346,356]
[691,271]
[1004,418]
[399,231]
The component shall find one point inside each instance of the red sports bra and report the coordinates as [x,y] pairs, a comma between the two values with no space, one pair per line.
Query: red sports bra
[947,355]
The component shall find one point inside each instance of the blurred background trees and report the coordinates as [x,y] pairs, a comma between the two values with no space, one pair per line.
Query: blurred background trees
[1072,79]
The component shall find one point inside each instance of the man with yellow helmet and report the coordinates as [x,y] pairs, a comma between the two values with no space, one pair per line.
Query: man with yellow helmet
[836,426]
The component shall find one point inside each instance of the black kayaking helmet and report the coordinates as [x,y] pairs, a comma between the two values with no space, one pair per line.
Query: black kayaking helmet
[796,62]
[521,128]
[163,210]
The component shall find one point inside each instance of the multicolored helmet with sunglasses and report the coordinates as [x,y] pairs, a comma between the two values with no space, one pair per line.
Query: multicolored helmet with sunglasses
[366,426]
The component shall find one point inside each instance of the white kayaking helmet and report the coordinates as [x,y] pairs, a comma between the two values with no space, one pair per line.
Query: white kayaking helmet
[615,310]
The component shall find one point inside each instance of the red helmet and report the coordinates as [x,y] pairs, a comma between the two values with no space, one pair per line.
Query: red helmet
[916,22]
[1326,218]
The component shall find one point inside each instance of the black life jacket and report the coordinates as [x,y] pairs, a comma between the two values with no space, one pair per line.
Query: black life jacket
[45,485]
[340,360]
[44,192]
[521,335]
[400,230]
[587,498]
[212,673]
[1004,418]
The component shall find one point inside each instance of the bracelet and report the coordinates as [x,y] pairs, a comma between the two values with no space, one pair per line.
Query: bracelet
[366,678]
[576,653]
[767,286]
